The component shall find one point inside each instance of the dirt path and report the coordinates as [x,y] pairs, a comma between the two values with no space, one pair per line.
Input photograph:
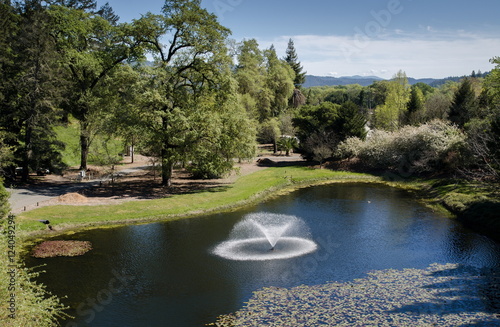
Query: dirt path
[132,182]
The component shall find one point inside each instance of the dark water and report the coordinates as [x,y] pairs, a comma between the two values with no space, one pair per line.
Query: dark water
[163,274]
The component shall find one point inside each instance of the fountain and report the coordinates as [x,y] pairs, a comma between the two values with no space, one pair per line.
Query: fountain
[266,236]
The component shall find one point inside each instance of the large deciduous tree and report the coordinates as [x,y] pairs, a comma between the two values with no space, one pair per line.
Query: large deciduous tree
[92,45]
[185,109]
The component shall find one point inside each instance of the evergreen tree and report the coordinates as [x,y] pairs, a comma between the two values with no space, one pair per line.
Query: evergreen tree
[29,111]
[464,104]
[415,107]
[349,122]
[293,60]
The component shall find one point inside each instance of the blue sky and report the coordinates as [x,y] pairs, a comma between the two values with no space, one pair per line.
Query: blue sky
[424,38]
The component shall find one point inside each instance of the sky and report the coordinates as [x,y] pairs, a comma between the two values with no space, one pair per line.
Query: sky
[424,38]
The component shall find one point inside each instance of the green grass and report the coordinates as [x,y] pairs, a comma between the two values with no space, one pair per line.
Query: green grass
[100,149]
[70,135]
[245,190]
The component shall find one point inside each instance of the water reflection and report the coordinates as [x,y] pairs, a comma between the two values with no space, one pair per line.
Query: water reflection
[178,282]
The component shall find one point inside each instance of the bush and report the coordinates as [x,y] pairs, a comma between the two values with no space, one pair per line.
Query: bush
[24,302]
[434,146]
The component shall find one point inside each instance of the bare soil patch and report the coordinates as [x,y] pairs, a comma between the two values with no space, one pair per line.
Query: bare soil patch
[141,181]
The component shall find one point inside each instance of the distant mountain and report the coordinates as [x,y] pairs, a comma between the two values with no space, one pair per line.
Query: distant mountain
[312,80]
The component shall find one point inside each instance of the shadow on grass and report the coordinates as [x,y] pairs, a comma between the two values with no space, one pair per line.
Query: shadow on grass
[467,290]
[148,190]
[283,162]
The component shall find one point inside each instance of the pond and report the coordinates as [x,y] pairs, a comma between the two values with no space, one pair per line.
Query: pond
[165,274]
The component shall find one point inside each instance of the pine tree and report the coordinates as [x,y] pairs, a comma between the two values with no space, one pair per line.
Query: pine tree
[414,106]
[293,60]
[464,104]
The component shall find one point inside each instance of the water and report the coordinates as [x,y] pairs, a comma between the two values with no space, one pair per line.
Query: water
[165,274]
[267,236]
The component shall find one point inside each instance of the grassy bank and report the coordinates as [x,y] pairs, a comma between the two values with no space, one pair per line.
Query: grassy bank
[475,204]
[247,189]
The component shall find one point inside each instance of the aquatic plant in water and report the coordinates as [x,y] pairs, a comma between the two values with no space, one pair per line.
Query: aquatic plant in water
[441,295]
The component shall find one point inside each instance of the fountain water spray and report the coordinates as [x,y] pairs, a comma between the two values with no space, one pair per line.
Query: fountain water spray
[267,236]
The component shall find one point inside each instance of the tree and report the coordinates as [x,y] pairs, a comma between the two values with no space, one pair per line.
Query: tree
[293,60]
[287,143]
[349,122]
[92,47]
[415,107]
[33,91]
[270,132]
[437,106]
[278,82]
[388,115]
[484,132]
[298,99]
[250,75]
[464,104]
[191,80]
[312,119]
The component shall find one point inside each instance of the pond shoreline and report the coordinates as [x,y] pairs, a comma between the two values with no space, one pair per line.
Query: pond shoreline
[439,194]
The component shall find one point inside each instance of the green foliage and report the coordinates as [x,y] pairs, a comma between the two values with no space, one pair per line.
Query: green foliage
[464,104]
[388,115]
[437,105]
[4,203]
[434,146]
[31,92]
[92,46]
[293,61]
[320,128]
[287,144]
[279,82]
[350,122]
[102,148]
[223,136]
[6,153]
[35,306]
[415,107]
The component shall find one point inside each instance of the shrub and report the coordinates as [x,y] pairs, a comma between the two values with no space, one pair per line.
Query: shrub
[430,147]
[30,304]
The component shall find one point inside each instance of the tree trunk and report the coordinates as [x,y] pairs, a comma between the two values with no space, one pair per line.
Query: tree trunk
[132,150]
[84,145]
[27,153]
[167,170]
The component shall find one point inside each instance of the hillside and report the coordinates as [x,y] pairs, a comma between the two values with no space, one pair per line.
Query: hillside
[312,80]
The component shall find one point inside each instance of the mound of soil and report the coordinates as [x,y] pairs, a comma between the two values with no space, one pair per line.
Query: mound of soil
[72,198]
[51,249]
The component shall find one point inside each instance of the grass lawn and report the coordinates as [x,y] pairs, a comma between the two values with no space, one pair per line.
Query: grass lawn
[246,189]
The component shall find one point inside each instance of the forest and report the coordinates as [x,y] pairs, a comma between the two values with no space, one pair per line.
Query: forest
[179,89]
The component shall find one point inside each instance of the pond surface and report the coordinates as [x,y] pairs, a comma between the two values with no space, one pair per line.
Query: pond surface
[164,274]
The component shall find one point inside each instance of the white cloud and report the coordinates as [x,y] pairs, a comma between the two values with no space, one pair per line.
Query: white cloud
[430,53]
